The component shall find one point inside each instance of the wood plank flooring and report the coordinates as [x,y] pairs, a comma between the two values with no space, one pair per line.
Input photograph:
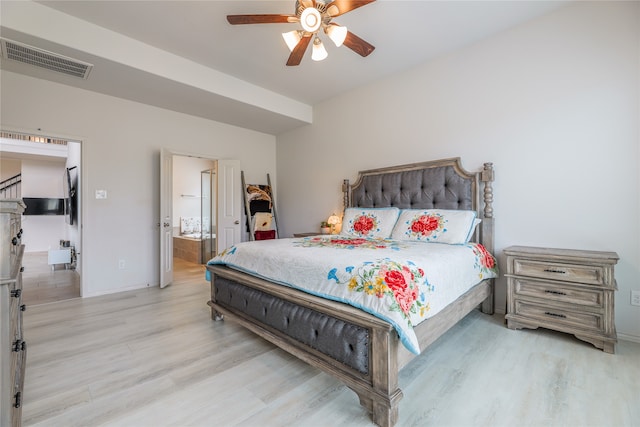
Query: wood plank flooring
[153,357]
[42,284]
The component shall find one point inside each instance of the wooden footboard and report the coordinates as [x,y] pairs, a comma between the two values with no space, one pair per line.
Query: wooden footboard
[375,381]
[359,349]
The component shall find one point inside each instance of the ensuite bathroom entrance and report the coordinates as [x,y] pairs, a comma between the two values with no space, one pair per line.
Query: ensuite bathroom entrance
[194,210]
[199,210]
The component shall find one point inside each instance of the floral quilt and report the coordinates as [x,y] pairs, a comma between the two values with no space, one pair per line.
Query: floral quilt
[402,282]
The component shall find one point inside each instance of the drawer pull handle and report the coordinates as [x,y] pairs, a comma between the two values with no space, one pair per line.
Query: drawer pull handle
[18,400]
[16,293]
[562,316]
[553,270]
[548,291]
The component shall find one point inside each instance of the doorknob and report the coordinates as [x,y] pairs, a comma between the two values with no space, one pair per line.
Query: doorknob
[236,221]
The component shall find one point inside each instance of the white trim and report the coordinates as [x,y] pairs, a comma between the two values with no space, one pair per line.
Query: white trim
[627,337]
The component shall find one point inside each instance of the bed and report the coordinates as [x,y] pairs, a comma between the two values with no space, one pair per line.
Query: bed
[363,350]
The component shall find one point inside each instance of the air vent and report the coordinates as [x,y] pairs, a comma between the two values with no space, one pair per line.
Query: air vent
[44,59]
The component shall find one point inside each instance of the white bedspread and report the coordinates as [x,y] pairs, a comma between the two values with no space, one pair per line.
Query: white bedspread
[402,282]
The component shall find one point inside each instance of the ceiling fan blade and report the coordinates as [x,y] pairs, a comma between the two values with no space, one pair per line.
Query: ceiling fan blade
[358,45]
[298,52]
[261,19]
[340,7]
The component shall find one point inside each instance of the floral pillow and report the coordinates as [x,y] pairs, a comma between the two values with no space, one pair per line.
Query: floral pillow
[372,223]
[435,225]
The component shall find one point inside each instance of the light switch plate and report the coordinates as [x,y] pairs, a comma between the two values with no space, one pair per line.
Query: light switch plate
[101,194]
[635,298]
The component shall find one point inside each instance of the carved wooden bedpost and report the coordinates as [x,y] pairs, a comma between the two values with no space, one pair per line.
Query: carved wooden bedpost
[487,236]
[487,178]
[345,193]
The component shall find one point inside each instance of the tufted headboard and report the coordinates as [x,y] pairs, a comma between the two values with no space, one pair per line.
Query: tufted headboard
[438,184]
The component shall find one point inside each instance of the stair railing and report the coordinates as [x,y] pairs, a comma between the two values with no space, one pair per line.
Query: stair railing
[10,188]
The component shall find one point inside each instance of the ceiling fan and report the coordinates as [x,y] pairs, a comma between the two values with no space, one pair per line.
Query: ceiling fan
[313,16]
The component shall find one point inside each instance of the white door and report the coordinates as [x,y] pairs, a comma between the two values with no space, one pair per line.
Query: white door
[230,204]
[166,218]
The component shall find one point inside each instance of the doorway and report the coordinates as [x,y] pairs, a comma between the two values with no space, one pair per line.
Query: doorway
[194,211]
[226,205]
[47,168]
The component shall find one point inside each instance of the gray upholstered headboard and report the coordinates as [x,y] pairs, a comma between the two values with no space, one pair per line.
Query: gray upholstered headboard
[438,184]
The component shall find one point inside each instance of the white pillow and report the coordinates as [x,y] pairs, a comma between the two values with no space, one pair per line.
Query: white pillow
[372,223]
[189,225]
[435,225]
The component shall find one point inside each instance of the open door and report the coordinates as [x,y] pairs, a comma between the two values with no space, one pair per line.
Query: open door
[166,218]
[229,210]
[230,204]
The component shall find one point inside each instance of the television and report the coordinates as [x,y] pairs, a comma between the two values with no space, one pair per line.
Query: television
[70,183]
[43,206]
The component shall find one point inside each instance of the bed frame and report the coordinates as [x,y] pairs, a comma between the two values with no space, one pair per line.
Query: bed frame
[359,349]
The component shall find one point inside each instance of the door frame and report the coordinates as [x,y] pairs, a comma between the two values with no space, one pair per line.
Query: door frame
[80,268]
[166,275]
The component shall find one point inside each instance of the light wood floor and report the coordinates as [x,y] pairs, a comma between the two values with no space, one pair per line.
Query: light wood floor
[42,284]
[153,357]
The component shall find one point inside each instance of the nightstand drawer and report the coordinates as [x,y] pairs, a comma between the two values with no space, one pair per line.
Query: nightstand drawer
[586,274]
[557,292]
[559,316]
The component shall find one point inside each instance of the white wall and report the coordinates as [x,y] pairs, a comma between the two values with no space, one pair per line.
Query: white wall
[186,183]
[9,167]
[552,103]
[42,178]
[121,142]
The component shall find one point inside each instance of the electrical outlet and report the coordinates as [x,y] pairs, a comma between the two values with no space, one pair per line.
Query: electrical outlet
[121,264]
[635,298]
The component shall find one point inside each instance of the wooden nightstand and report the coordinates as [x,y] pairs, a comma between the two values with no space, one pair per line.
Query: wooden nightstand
[564,290]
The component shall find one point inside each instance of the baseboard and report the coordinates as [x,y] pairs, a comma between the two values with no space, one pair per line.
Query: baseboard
[115,291]
[627,337]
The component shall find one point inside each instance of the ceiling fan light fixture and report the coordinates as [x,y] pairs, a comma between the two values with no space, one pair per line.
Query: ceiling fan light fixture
[337,34]
[319,52]
[292,38]
[310,19]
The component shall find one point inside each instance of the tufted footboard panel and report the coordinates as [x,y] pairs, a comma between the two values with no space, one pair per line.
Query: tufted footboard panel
[340,340]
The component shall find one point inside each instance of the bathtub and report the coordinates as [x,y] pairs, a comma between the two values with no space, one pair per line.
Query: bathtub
[193,248]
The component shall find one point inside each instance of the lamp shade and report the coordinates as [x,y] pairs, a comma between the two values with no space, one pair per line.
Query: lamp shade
[292,38]
[319,52]
[333,220]
[337,34]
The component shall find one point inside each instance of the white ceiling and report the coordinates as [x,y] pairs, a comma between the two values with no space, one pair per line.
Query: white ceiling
[405,33]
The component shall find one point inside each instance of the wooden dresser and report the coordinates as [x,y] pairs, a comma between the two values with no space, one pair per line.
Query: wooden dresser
[13,349]
[565,290]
